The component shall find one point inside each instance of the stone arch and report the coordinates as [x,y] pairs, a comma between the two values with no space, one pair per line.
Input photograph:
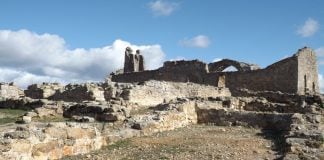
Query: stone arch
[223,64]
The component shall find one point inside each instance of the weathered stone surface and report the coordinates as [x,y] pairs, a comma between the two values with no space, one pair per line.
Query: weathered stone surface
[83,119]
[10,91]
[26,119]
[80,92]
[219,66]
[156,92]
[104,113]
[44,90]
[17,135]
[60,140]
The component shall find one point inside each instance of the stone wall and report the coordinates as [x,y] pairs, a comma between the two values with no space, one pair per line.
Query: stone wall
[295,74]
[156,92]
[9,90]
[280,76]
[44,90]
[51,141]
[80,92]
[175,71]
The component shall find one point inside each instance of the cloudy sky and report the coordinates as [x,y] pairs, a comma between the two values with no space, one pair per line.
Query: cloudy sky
[74,41]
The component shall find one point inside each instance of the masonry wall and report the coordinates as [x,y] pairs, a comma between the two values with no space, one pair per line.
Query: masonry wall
[295,74]
[45,90]
[281,76]
[156,92]
[80,93]
[8,90]
[175,71]
[183,71]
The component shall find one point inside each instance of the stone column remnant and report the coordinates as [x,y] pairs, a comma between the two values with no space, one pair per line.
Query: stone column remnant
[133,63]
[140,60]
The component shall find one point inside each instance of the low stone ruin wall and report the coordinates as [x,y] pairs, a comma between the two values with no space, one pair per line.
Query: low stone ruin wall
[10,91]
[68,93]
[43,141]
[279,121]
[52,141]
[80,92]
[45,90]
[156,92]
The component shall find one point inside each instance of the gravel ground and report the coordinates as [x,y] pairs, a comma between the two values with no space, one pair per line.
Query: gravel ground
[194,142]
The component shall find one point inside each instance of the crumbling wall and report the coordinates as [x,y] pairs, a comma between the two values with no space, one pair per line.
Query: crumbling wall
[295,74]
[80,92]
[135,76]
[174,71]
[9,90]
[156,92]
[219,66]
[183,71]
[45,90]
[281,76]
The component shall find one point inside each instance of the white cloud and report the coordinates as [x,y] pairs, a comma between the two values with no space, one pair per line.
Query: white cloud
[309,28]
[200,41]
[27,57]
[162,7]
[321,82]
[320,52]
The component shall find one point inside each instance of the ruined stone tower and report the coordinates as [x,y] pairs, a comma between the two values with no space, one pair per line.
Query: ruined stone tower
[133,62]
[307,82]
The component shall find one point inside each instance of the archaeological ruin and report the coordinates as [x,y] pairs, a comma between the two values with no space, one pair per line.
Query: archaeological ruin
[296,74]
[67,120]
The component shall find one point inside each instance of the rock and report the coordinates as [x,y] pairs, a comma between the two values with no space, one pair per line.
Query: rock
[297,118]
[137,126]
[101,113]
[107,117]
[31,114]
[44,112]
[318,118]
[17,135]
[26,119]
[83,119]
[321,156]
[126,112]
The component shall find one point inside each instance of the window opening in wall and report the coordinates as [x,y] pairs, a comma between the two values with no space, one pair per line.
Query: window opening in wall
[230,69]
[314,87]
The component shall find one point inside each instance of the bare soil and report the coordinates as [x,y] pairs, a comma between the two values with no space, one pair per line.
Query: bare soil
[194,142]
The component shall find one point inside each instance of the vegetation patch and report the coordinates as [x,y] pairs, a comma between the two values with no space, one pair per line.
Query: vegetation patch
[10,115]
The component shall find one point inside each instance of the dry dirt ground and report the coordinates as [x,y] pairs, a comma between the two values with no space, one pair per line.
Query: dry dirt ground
[195,142]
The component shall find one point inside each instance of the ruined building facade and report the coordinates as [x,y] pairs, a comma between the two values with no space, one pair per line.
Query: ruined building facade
[296,74]
[133,62]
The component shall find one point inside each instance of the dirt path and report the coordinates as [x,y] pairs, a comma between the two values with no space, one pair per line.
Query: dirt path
[193,142]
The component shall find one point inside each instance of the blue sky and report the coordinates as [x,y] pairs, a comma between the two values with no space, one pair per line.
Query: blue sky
[254,31]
